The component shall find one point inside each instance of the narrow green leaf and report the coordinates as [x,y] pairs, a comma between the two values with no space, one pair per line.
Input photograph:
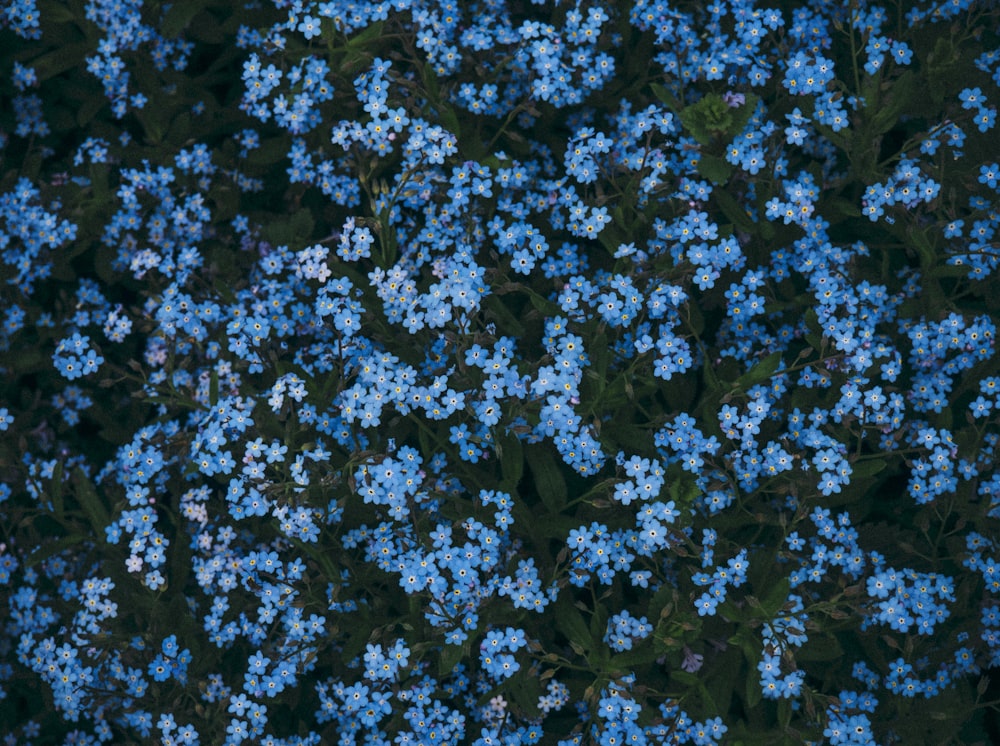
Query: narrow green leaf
[451,655]
[665,97]
[598,628]
[88,109]
[90,501]
[302,223]
[213,387]
[732,210]
[371,33]
[64,58]
[511,461]
[761,371]
[449,119]
[52,548]
[753,691]
[548,479]
[57,488]
[685,678]
[506,320]
[902,93]
[630,660]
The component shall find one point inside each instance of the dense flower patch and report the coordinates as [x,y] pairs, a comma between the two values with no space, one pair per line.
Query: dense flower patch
[499,372]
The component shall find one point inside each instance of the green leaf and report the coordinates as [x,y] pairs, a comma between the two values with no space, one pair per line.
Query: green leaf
[844,207]
[600,360]
[511,461]
[270,151]
[506,320]
[52,548]
[825,649]
[56,12]
[178,16]
[950,270]
[902,92]
[302,223]
[665,97]
[742,114]
[213,387]
[684,678]
[205,28]
[630,660]
[278,232]
[570,622]
[761,371]
[88,109]
[525,689]
[450,121]
[357,638]
[867,468]
[58,507]
[371,33]
[777,596]
[64,58]
[548,479]
[753,692]
[598,628]
[451,656]
[90,501]
[732,210]
[715,169]
[707,118]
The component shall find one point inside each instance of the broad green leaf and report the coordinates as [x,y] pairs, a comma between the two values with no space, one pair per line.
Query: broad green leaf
[776,596]
[302,223]
[824,648]
[743,112]
[56,12]
[867,468]
[628,661]
[570,622]
[715,169]
[178,16]
[525,690]
[270,151]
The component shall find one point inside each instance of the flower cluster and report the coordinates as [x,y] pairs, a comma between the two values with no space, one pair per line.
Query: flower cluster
[498,372]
